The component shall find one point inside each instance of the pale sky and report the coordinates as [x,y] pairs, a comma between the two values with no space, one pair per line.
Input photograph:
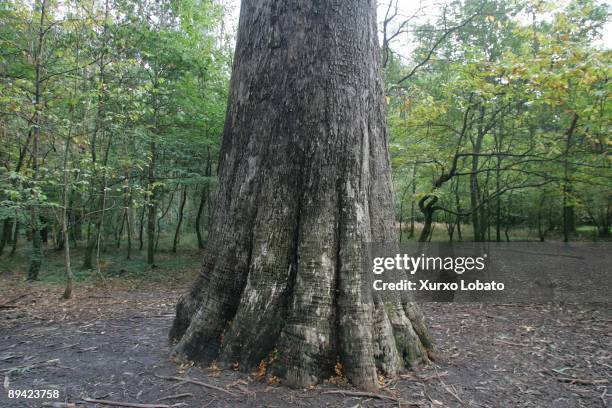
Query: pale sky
[428,11]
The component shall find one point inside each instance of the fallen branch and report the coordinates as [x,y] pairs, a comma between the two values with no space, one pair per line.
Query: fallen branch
[126,404]
[581,381]
[176,396]
[361,394]
[509,343]
[30,366]
[203,384]
[512,305]
[8,304]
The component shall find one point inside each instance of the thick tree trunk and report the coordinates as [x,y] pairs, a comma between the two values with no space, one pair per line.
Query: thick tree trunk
[304,181]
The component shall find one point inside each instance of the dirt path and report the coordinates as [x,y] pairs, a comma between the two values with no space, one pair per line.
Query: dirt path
[113,347]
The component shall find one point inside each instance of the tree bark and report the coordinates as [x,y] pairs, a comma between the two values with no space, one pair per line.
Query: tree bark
[304,181]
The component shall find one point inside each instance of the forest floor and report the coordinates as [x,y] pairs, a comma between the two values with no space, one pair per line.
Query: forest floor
[110,343]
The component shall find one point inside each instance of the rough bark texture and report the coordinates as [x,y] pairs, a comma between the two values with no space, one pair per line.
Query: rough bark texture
[304,181]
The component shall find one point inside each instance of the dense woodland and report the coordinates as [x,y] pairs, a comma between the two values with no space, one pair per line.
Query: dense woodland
[112,112]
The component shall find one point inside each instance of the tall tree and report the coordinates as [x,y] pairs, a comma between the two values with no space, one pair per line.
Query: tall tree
[304,181]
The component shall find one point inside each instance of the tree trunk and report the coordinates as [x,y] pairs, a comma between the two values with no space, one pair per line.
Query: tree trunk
[37,252]
[141,231]
[15,239]
[151,221]
[569,216]
[65,230]
[180,219]
[474,193]
[304,181]
[413,201]
[7,233]
[427,207]
[198,220]
[204,199]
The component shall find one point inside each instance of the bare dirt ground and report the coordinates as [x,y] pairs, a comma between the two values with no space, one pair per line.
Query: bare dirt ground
[111,344]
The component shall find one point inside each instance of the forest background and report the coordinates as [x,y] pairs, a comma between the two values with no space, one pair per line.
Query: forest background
[112,112]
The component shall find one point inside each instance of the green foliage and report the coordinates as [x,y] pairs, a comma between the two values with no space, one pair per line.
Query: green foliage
[499,98]
[106,90]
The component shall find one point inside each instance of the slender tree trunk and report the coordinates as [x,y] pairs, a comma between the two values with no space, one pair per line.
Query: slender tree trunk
[458,217]
[163,214]
[15,239]
[93,231]
[304,181]
[198,220]
[124,216]
[152,209]
[129,217]
[204,199]
[569,216]
[180,219]
[427,206]
[141,229]
[474,188]
[541,233]
[129,238]
[37,252]
[65,231]
[7,233]
[89,248]
[413,201]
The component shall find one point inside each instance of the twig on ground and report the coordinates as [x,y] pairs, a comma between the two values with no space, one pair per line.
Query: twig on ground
[189,380]
[424,378]
[582,381]
[447,388]
[570,380]
[176,396]
[10,356]
[27,367]
[511,305]
[8,347]
[511,343]
[127,404]
[211,401]
[362,394]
